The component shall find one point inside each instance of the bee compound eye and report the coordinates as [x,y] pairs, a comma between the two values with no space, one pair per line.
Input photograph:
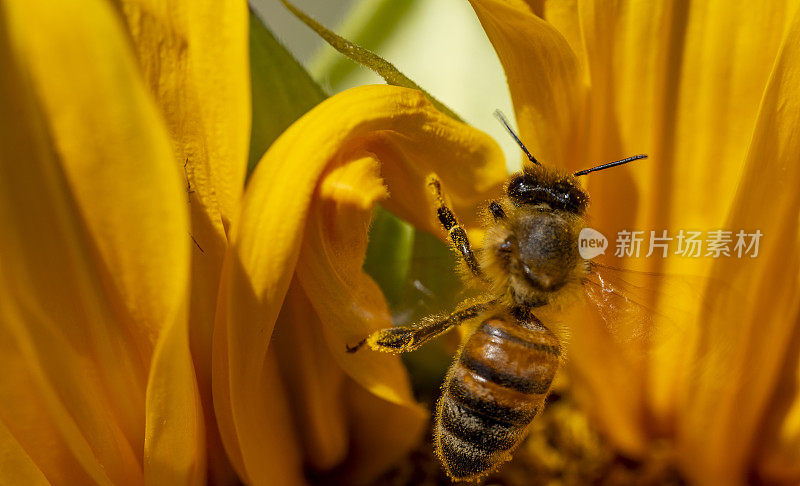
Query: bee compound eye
[569,198]
[575,200]
[516,187]
[522,189]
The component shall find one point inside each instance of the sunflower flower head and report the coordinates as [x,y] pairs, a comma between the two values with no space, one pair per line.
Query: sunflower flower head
[187,217]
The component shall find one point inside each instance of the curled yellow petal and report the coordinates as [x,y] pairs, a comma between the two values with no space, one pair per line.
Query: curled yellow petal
[543,76]
[348,302]
[97,265]
[307,210]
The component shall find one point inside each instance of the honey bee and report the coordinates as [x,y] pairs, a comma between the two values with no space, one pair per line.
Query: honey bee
[503,371]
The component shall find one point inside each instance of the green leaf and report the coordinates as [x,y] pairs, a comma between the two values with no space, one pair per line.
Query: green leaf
[388,258]
[282,90]
[367,58]
[370,23]
[415,270]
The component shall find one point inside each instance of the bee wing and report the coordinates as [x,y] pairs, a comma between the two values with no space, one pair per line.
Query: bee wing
[637,306]
[664,318]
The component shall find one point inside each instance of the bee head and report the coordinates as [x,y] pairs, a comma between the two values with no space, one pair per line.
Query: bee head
[538,186]
[534,244]
[537,244]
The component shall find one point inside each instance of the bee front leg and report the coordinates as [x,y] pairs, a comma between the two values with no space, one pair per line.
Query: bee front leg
[404,339]
[458,236]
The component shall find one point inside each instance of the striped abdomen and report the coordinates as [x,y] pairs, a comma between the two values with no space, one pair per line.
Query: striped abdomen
[495,388]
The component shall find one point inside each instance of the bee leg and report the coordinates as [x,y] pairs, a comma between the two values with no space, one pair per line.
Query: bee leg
[405,339]
[456,232]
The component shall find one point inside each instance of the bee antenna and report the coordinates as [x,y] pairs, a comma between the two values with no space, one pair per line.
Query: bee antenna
[610,164]
[499,115]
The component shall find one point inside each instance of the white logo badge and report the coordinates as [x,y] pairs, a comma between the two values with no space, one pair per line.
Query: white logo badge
[591,243]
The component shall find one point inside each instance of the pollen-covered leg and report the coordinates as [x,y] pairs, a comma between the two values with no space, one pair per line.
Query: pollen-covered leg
[405,339]
[458,236]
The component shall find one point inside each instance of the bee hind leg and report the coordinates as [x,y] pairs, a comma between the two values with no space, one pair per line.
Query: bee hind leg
[404,339]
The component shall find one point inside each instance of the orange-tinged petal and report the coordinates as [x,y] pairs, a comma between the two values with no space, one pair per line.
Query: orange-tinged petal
[36,416]
[382,435]
[308,207]
[97,264]
[543,76]
[345,298]
[730,400]
[330,411]
[778,457]
[685,83]
[268,433]
[194,56]
[315,384]
[174,443]
[682,83]
[600,391]
[16,466]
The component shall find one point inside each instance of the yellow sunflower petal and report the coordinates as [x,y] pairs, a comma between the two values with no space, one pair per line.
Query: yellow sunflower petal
[308,206]
[97,263]
[194,55]
[543,76]
[194,58]
[267,432]
[349,304]
[34,414]
[730,400]
[682,83]
[563,15]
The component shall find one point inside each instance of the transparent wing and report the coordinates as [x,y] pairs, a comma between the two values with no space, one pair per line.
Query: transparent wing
[663,320]
[638,306]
